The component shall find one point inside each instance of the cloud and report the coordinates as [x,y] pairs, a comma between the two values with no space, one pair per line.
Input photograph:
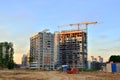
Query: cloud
[102,49]
[110,51]
[115,48]
[103,37]
[117,40]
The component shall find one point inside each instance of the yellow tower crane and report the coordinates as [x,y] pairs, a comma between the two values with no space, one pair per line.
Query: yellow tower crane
[80,23]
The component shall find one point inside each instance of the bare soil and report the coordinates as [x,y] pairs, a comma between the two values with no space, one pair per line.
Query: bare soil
[55,75]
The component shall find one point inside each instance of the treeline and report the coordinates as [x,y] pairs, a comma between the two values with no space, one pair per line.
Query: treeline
[6,55]
[114,58]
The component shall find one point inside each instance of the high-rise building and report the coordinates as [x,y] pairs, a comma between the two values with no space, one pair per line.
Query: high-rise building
[28,59]
[73,48]
[42,50]
[56,49]
[24,61]
[100,59]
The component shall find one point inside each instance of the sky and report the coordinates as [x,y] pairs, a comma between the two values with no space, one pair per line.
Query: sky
[19,19]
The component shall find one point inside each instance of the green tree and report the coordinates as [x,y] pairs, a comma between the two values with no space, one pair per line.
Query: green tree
[6,60]
[31,59]
[6,55]
[1,60]
[114,58]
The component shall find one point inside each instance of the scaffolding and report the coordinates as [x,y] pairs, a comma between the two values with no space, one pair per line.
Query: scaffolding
[73,48]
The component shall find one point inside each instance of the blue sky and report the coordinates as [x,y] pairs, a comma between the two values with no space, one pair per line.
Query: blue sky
[21,18]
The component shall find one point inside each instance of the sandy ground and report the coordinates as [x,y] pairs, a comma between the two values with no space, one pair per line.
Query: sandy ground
[55,75]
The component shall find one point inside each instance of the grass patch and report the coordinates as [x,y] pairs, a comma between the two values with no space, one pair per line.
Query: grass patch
[87,70]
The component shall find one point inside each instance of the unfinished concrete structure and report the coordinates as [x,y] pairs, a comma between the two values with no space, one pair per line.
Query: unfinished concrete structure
[73,48]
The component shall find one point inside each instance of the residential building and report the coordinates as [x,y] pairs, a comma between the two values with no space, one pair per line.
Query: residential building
[100,59]
[73,48]
[97,63]
[42,50]
[56,49]
[28,59]
[89,65]
[24,61]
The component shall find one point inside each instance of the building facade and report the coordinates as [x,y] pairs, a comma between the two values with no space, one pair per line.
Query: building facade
[42,50]
[24,61]
[56,49]
[73,48]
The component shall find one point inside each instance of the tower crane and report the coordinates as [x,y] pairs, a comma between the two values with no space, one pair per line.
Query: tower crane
[80,23]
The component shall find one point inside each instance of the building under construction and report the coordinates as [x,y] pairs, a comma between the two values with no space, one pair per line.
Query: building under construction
[73,48]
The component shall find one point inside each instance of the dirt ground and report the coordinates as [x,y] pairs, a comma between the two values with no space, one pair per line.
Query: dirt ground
[55,75]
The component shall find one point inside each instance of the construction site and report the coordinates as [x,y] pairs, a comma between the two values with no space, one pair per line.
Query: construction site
[68,50]
[67,47]
[73,46]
